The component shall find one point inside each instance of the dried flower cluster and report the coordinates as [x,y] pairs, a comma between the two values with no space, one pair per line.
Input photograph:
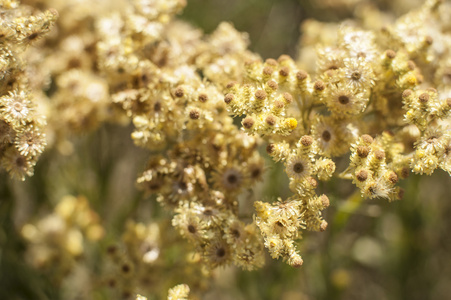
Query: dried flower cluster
[178,292]
[137,262]
[362,89]
[62,236]
[384,96]
[22,137]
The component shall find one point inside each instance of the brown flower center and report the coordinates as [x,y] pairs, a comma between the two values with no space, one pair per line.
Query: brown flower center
[356,75]
[220,252]
[18,107]
[232,178]
[20,162]
[326,135]
[157,107]
[191,228]
[343,99]
[298,167]
[208,212]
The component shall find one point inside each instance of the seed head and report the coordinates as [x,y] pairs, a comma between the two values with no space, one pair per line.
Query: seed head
[231,84]
[319,86]
[363,151]
[411,65]
[301,75]
[284,72]
[229,98]
[423,98]
[248,122]
[312,182]
[306,140]
[279,104]
[361,175]
[203,98]
[406,93]
[271,120]
[179,92]
[367,139]
[283,58]
[323,226]
[405,172]
[297,262]
[393,178]
[194,114]
[379,154]
[270,148]
[390,54]
[325,201]
[271,62]
[260,95]
[273,85]
[288,98]
[268,71]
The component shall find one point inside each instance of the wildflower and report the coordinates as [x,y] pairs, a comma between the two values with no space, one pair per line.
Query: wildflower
[229,179]
[248,122]
[228,98]
[362,175]
[330,59]
[358,74]
[325,167]
[179,292]
[17,165]
[30,142]
[255,169]
[331,136]
[16,108]
[190,225]
[345,101]
[217,253]
[235,233]
[298,167]
[278,151]
[6,133]
[249,257]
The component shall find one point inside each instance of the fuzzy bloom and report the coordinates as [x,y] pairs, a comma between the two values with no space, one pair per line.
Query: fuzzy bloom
[343,101]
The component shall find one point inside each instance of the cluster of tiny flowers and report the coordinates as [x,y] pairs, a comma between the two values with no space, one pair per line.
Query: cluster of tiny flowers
[428,113]
[368,89]
[280,223]
[382,95]
[208,162]
[62,237]
[178,292]
[22,137]
[136,263]
[373,168]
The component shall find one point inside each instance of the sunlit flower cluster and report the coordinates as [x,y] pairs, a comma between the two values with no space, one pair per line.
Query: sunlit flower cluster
[22,137]
[359,104]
